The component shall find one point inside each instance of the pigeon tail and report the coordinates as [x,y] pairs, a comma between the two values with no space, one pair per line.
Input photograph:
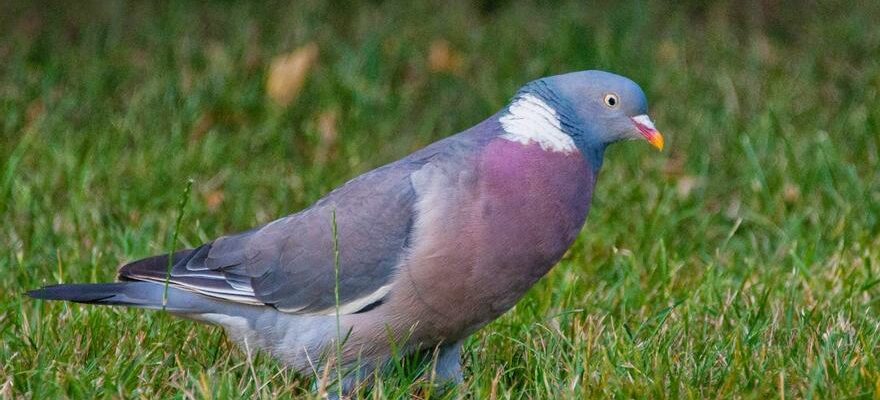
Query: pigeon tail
[130,294]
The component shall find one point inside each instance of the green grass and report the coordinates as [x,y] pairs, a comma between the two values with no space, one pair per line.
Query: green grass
[743,262]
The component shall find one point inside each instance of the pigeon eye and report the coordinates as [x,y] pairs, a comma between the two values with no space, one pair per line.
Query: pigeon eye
[611,100]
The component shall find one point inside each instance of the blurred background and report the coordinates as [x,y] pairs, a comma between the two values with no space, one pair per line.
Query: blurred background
[741,261]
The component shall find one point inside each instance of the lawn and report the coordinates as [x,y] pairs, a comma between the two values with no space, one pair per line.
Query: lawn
[743,262]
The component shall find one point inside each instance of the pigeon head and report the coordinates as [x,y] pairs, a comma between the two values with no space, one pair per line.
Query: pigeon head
[587,110]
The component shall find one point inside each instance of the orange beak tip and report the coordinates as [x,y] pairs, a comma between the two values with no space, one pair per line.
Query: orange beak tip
[657,141]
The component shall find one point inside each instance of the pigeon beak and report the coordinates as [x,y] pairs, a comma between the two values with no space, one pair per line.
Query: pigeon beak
[646,127]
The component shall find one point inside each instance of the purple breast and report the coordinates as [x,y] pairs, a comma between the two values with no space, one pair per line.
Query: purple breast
[522,212]
[533,204]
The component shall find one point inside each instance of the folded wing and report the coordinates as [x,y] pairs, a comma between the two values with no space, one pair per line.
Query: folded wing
[289,263]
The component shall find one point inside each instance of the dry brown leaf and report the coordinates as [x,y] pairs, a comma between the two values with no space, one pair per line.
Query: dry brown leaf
[327,126]
[288,73]
[791,193]
[214,199]
[327,122]
[443,58]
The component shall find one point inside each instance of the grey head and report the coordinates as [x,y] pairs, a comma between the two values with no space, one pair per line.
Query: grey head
[593,108]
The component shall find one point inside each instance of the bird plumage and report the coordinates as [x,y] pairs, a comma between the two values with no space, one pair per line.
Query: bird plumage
[432,246]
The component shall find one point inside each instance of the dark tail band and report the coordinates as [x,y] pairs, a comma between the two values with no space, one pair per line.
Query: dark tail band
[130,294]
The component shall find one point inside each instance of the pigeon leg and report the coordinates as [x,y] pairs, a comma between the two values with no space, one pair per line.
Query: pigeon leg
[447,369]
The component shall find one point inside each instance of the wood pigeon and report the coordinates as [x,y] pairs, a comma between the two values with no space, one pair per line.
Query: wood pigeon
[432,247]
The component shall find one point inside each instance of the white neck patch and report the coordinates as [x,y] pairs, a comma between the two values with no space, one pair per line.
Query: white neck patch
[531,120]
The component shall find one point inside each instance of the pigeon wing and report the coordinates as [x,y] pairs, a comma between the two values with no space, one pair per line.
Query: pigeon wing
[290,263]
